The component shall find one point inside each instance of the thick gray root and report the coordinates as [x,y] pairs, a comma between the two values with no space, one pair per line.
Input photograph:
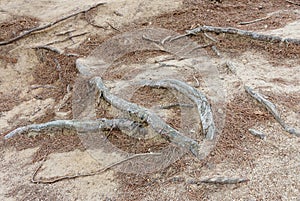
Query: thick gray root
[203,106]
[273,110]
[88,125]
[143,115]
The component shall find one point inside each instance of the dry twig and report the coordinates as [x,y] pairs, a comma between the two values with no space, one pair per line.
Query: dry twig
[36,29]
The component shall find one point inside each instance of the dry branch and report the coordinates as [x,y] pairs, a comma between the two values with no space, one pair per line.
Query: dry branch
[102,170]
[204,109]
[144,115]
[253,35]
[272,109]
[36,29]
[90,125]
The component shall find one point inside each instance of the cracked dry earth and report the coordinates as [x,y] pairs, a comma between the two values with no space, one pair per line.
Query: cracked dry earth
[36,86]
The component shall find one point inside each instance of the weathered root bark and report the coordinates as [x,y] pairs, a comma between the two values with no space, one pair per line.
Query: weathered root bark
[88,125]
[253,35]
[273,110]
[203,106]
[143,115]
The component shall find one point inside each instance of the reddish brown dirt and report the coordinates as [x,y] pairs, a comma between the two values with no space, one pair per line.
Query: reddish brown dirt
[15,26]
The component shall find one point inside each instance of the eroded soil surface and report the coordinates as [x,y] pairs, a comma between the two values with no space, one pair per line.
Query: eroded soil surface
[36,85]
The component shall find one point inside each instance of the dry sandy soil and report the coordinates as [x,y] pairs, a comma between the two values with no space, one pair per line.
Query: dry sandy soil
[36,85]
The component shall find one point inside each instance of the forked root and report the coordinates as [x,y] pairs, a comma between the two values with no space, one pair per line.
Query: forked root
[144,115]
[138,115]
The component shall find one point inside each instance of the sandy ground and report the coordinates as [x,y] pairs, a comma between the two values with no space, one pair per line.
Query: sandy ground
[33,89]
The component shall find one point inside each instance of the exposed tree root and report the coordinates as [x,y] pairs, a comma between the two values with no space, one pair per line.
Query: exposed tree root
[88,125]
[143,115]
[139,116]
[36,29]
[273,110]
[253,35]
[204,109]
[102,170]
